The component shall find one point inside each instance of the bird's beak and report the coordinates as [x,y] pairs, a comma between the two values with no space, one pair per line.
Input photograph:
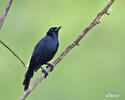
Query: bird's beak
[58,28]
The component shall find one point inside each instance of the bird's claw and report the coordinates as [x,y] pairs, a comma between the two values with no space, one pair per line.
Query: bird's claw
[51,66]
[46,73]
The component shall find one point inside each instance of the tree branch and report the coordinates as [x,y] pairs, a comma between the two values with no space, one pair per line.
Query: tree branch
[1,23]
[12,52]
[5,12]
[72,45]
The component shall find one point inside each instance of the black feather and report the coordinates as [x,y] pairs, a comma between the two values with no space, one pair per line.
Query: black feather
[43,52]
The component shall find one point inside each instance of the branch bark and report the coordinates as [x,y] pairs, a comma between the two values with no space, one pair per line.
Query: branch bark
[12,52]
[5,12]
[71,46]
[1,23]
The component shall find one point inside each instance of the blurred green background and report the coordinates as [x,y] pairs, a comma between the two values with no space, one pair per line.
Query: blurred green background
[88,72]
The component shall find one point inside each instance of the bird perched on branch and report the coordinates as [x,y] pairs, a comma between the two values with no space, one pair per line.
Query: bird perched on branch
[43,52]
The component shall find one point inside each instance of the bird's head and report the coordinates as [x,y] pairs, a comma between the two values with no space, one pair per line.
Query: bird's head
[53,30]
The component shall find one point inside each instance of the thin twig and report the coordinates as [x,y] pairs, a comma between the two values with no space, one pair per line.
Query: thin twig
[72,45]
[12,52]
[1,23]
[5,12]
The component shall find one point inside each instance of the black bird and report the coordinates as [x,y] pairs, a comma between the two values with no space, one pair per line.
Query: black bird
[43,52]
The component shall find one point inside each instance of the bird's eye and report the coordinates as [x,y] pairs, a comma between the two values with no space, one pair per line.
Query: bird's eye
[53,29]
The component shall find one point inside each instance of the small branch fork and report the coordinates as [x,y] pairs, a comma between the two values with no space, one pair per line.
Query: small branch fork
[71,46]
[1,23]
[12,52]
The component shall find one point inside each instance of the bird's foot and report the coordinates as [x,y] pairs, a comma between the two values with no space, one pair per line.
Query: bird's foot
[44,71]
[51,66]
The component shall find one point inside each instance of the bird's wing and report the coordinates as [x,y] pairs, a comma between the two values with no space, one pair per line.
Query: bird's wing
[38,49]
[48,50]
[44,51]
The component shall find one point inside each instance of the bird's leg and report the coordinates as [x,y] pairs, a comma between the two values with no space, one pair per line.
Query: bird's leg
[44,71]
[49,65]
[37,68]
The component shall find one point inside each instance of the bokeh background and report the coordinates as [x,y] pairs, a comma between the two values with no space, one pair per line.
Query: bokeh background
[88,72]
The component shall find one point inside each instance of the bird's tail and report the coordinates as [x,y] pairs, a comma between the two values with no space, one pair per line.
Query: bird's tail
[28,76]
